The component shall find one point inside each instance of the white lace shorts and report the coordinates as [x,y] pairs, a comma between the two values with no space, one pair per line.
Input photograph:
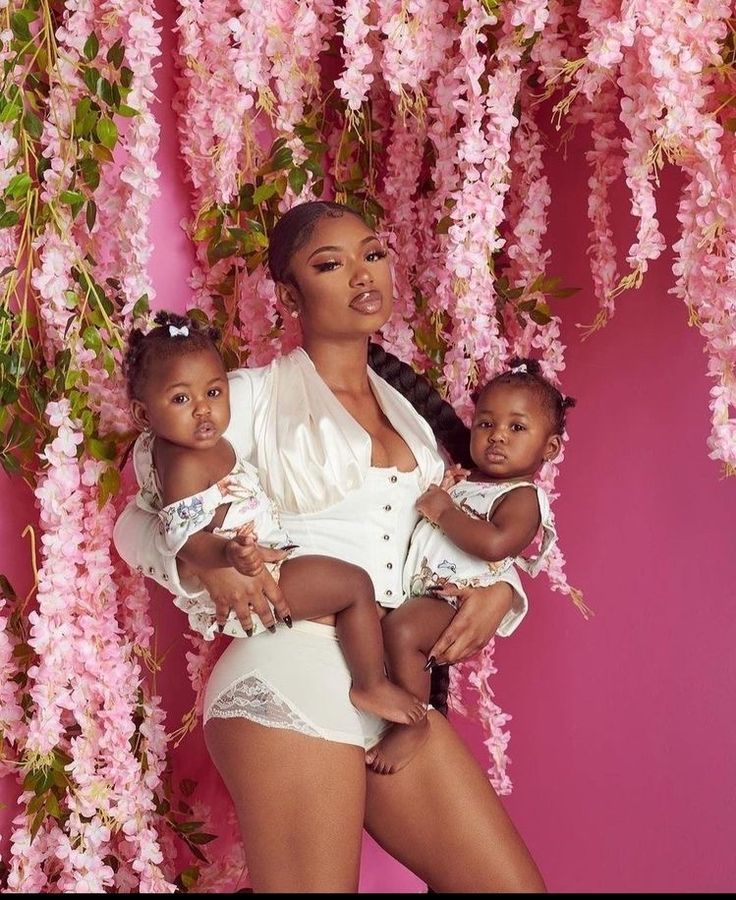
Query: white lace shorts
[296,678]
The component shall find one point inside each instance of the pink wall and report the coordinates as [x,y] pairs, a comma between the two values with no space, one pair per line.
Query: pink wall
[624,739]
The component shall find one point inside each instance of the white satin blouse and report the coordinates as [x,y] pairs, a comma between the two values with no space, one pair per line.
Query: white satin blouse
[314,461]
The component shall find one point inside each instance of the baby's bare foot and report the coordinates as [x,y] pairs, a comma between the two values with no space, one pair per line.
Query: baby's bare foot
[389,701]
[397,748]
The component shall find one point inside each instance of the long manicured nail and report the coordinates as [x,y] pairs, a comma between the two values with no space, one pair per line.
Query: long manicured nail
[288,621]
[272,628]
[429,664]
[289,547]
[249,632]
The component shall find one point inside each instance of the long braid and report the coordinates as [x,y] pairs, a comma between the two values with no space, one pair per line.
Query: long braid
[449,429]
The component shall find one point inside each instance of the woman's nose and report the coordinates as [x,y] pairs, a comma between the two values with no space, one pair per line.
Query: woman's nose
[361,274]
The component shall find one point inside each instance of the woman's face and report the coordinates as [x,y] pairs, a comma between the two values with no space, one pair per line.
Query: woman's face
[341,282]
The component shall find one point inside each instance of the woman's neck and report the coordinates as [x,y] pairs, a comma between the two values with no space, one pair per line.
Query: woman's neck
[342,366]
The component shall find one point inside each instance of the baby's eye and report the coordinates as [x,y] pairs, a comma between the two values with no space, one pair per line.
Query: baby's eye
[214,392]
[327,266]
[517,427]
[375,255]
[180,398]
[484,425]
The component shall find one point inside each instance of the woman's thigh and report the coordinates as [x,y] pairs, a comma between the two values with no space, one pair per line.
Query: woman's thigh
[300,804]
[441,818]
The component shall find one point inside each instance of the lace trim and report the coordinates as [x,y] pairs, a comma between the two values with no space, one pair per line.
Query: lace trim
[253,698]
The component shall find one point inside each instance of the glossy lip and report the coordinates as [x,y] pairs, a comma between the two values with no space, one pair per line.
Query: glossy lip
[367,302]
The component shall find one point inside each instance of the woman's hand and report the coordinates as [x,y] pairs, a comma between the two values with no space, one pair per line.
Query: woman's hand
[480,611]
[433,502]
[244,595]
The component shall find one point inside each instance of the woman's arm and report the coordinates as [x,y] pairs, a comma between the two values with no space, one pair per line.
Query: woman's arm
[511,527]
[481,611]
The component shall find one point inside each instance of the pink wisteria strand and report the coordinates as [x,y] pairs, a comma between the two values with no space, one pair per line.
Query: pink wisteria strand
[124,207]
[471,695]
[354,83]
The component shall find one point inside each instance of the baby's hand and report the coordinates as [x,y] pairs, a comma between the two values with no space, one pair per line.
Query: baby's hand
[243,553]
[433,503]
[452,475]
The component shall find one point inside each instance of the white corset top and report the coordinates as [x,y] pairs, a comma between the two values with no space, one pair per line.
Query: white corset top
[370,528]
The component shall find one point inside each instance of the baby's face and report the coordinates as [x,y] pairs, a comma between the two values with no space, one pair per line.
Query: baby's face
[186,399]
[510,435]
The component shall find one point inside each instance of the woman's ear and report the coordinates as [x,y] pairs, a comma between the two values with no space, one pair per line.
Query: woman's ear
[553,447]
[284,293]
[139,415]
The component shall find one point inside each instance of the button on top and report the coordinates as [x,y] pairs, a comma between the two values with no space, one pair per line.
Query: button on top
[394,479]
[387,537]
[387,507]
[389,565]
[389,593]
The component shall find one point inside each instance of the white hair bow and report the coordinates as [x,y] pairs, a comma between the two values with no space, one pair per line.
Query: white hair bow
[519,370]
[175,331]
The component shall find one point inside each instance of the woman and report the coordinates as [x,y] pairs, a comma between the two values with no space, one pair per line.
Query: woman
[345,457]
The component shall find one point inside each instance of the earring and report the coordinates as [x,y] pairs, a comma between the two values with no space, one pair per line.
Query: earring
[295,313]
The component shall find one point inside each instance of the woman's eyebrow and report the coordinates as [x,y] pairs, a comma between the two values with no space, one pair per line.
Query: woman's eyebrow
[366,240]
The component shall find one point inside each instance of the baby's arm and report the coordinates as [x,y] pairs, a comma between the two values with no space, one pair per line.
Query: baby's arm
[511,527]
[185,473]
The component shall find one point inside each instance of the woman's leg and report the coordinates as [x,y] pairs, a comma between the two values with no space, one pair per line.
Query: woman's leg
[300,803]
[315,586]
[441,818]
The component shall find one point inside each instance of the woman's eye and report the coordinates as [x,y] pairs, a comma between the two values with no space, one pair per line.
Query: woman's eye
[375,255]
[327,266]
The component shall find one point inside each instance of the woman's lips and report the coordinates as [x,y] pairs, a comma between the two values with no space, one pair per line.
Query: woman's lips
[367,302]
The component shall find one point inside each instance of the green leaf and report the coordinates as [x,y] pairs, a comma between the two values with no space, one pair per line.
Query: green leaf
[141,306]
[90,171]
[71,197]
[7,591]
[91,47]
[10,111]
[264,192]
[9,218]
[19,26]
[109,484]
[91,339]
[32,124]
[297,180]
[222,249]
[91,214]
[103,450]
[107,132]
[18,185]
[116,53]
[91,78]
[127,111]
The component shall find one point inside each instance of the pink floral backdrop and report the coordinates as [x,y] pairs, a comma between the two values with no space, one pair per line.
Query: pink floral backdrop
[430,118]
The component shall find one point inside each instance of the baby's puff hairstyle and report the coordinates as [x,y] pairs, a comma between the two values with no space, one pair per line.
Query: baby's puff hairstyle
[172,335]
[528,372]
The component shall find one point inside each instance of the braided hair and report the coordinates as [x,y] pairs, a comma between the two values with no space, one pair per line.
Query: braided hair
[448,427]
[528,372]
[174,335]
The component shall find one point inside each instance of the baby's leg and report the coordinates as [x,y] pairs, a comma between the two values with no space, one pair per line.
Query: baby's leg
[317,586]
[408,634]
